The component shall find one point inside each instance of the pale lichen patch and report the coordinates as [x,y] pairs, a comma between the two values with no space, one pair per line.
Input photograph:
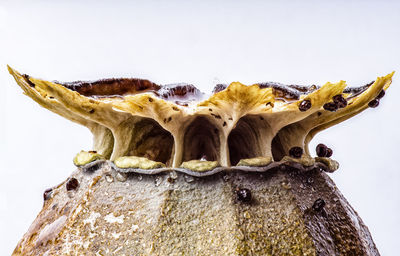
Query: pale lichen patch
[330,163]
[85,157]
[200,165]
[304,160]
[137,162]
[256,161]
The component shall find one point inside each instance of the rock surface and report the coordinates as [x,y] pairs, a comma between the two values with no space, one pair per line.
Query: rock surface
[113,213]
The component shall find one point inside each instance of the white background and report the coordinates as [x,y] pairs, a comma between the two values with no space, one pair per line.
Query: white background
[199,42]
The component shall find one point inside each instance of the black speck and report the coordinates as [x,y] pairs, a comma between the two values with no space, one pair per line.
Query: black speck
[305,105]
[47,194]
[210,109]
[330,106]
[373,103]
[380,95]
[91,111]
[169,119]
[243,195]
[329,152]
[321,150]
[216,116]
[319,113]
[318,205]
[224,124]
[270,104]
[150,99]
[339,101]
[72,184]
[28,81]
[296,152]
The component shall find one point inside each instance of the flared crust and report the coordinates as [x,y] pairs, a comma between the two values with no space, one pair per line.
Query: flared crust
[177,123]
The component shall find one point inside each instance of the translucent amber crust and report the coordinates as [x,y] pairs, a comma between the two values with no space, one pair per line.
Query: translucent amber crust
[131,117]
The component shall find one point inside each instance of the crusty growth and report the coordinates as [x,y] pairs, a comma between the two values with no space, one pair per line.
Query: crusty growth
[238,122]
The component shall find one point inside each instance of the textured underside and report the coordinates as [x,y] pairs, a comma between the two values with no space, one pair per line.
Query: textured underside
[113,213]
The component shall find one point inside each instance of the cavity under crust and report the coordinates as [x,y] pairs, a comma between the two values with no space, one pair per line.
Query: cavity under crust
[136,122]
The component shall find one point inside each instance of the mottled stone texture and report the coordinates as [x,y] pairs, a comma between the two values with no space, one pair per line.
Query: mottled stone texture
[110,213]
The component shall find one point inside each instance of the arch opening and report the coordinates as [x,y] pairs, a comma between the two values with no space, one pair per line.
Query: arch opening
[201,141]
[250,138]
[152,141]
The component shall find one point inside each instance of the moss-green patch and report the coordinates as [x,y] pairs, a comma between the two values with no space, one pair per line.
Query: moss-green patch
[304,160]
[199,165]
[137,162]
[256,161]
[330,163]
[85,157]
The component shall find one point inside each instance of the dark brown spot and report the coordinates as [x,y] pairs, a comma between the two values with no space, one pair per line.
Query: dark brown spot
[175,108]
[28,81]
[165,120]
[140,107]
[296,152]
[330,106]
[91,111]
[243,195]
[329,152]
[210,109]
[230,118]
[373,103]
[169,119]
[219,87]
[216,116]
[150,99]
[72,184]
[216,131]
[321,150]
[51,97]
[318,205]
[380,95]
[319,113]
[47,194]
[93,151]
[305,105]
[270,104]
[340,101]
[112,86]
[312,88]
[261,118]
[224,124]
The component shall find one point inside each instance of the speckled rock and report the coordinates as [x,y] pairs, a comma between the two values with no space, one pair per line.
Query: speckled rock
[175,214]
